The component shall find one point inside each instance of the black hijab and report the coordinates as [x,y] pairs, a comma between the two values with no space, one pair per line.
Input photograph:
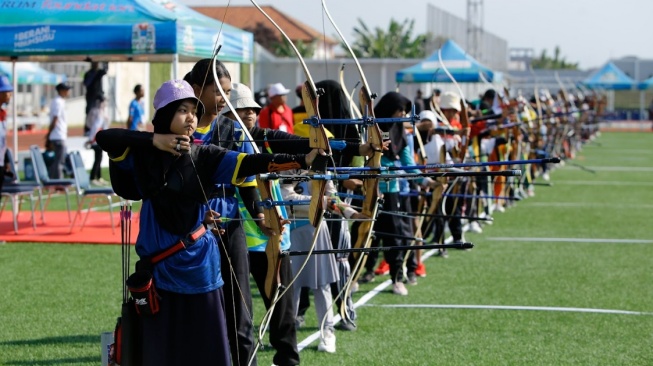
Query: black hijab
[390,103]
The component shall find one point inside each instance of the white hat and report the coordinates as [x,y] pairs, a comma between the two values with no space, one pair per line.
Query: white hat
[277,89]
[450,100]
[241,97]
[428,115]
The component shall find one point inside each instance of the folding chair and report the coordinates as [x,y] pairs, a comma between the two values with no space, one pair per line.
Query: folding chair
[13,190]
[43,179]
[84,190]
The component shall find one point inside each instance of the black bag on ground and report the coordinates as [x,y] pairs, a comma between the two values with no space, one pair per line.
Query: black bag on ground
[127,338]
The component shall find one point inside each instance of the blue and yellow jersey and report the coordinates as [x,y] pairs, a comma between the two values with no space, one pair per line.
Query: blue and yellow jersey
[197,269]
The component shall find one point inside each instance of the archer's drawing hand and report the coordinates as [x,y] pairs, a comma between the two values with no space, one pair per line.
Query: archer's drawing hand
[174,144]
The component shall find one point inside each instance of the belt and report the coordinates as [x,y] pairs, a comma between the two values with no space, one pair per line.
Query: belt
[182,244]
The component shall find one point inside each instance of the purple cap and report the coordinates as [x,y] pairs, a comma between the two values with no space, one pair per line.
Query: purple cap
[5,84]
[171,91]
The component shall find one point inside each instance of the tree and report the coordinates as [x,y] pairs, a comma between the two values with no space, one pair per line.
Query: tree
[395,42]
[557,63]
[267,37]
[283,49]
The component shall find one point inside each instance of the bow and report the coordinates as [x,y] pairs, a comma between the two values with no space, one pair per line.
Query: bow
[370,186]
[317,140]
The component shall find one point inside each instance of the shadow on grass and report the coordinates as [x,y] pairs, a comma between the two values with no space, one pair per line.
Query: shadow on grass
[49,341]
[59,361]
[82,338]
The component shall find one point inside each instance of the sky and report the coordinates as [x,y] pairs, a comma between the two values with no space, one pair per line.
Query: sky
[589,32]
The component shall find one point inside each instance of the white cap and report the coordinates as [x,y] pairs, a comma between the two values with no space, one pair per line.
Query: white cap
[241,97]
[428,115]
[450,100]
[277,89]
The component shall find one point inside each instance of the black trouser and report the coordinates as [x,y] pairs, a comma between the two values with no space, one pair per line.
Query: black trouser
[96,170]
[398,225]
[452,206]
[237,293]
[283,335]
[55,169]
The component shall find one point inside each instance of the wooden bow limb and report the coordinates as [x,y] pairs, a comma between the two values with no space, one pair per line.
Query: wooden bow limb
[370,186]
[318,140]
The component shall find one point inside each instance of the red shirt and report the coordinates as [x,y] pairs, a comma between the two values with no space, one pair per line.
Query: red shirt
[270,117]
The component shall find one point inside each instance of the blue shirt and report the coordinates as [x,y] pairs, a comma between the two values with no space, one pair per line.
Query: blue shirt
[227,206]
[405,158]
[136,112]
[196,269]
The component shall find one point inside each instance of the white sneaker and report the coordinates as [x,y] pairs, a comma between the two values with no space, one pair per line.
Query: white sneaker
[497,208]
[546,177]
[475,227]
[328,342]
[399,289]
[354,287]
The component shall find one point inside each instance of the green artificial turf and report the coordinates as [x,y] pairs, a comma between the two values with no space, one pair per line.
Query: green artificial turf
[57,299]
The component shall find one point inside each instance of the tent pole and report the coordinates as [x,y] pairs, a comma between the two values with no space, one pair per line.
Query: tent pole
[641,105]
[14,109]
[175,66]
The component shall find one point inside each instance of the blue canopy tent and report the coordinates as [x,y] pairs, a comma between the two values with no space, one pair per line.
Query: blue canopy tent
[610,77]
[646,84]
[117,30]
[461,65]
[29,73]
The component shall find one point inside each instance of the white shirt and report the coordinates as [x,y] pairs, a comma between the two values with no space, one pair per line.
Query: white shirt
[58,109]
[433,148]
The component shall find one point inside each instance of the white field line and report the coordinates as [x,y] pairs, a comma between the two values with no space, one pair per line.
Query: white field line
[590,205]
[603,183]
[572,240]
[508,307]
[363,300]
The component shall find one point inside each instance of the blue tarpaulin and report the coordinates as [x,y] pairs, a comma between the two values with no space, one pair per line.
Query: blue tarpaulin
[143,30]
[30,73]
[609,77]
[462,66]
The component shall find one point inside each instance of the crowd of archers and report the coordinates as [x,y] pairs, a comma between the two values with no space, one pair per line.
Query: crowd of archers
[210,218]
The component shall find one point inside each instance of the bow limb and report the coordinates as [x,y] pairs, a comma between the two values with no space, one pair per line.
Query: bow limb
[370,186]
[370,204]
[317,140]
[271,216]
[464,118]
[353,109]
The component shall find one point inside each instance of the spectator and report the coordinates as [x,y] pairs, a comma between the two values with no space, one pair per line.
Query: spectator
[93,85]
[433,100]
[277,115]
[419,102]
[98,122]
[58,131]
[136,120]
[6,91]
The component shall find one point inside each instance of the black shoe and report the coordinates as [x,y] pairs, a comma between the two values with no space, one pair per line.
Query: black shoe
[442,253]
[411,279]
[346,326]
[367,277]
